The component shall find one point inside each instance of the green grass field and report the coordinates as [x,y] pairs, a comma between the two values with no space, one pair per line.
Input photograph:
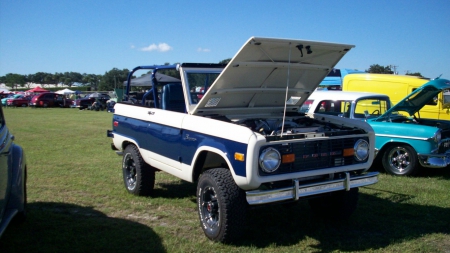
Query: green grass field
[77,203]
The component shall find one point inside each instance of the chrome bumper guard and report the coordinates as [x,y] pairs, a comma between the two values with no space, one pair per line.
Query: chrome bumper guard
[297,191]
[435,160]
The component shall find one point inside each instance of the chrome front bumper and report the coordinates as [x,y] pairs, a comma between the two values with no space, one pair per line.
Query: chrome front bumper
[435,160]
[298,191]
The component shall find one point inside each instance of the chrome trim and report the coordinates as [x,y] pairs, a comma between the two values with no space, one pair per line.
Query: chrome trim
[434,160]
[376,152]
[347,181]
[440,143]
[402,136]
[258,197]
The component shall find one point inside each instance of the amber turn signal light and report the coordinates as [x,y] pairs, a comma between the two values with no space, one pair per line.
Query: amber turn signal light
[288,158]
[349,152]
[239,157]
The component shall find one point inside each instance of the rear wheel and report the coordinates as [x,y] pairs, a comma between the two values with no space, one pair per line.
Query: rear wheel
[221,205]
[400,160]
[335,205]
[138,176]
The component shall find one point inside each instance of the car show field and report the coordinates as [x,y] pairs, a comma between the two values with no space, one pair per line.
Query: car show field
[77,203]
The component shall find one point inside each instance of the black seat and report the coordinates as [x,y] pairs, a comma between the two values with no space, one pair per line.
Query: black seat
[173,98]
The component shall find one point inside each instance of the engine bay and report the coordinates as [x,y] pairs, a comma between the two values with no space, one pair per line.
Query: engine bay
[300,127]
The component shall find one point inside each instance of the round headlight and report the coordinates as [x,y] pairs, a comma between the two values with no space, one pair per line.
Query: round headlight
[438,136]
[270,160]
[361,150]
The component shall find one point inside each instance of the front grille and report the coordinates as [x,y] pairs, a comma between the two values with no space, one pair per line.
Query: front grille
[445,134]
[314,155]
[444,146]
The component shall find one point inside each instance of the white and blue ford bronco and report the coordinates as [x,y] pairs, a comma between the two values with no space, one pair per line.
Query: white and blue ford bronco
[235,129]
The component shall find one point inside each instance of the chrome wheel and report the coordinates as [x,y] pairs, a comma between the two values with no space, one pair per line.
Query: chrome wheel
[138,176]
[129,169]
[221,205]
[400,160]
[209,208]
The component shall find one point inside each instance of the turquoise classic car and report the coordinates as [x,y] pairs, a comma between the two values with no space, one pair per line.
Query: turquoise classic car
[404,142]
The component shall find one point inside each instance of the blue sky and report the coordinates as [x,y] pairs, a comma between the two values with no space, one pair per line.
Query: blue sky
[93,37]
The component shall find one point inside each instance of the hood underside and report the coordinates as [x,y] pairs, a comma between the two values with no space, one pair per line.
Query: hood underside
[266,73]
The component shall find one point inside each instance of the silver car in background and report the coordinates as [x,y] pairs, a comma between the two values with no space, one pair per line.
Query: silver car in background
[13,177]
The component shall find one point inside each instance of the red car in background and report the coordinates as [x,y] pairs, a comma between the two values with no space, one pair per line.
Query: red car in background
[19,102]
[50,99]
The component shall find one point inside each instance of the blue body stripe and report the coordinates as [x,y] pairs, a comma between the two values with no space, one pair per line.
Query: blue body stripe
[177,144]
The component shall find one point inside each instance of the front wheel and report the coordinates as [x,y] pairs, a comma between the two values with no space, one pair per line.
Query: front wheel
[400,160]
[221,205]
[336,205]
[138,176]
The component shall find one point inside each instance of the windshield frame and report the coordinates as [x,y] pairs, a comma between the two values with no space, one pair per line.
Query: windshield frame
[196,93]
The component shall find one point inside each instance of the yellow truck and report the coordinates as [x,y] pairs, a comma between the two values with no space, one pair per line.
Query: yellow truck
[397,87]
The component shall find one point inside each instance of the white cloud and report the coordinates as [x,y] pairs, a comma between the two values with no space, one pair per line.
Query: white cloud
[161,47]
[205,50]
[132,46]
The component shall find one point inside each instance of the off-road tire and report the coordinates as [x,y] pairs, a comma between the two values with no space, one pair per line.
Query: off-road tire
[400,160]
[336,205]
[221,205]
[138,176]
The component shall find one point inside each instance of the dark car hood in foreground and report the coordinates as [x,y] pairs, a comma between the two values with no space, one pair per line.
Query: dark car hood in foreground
[413,102]
[255,80]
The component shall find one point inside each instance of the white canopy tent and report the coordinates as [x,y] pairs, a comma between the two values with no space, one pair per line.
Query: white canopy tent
[65,92]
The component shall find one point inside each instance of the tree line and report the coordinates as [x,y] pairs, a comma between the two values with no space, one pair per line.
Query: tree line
[389,69]
[115,77]
[108,81]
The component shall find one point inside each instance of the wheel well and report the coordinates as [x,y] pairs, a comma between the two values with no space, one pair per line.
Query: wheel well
[125,144]
[388,145]
[207,160]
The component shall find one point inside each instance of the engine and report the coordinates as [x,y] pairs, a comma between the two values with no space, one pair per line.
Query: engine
[292,126]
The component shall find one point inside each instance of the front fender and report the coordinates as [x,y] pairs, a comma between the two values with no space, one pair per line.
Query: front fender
[199,159]
[18,183]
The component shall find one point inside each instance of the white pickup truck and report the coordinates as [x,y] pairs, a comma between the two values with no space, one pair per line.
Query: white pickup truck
[235,129]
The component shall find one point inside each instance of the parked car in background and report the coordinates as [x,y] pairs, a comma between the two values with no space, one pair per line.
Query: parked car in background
[88,100]
[353,105]
[404,142]
[19,102]
[4,95]
[13,177]
[12,96]
[50,99]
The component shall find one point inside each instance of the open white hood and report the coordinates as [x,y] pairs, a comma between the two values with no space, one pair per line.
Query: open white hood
[256,79]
